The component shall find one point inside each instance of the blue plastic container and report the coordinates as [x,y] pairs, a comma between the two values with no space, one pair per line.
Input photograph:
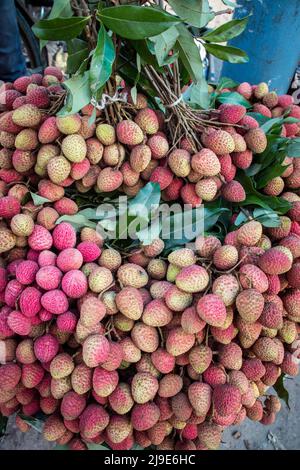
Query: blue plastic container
[272,42]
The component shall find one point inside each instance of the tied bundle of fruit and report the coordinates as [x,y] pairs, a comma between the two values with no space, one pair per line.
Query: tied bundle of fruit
[143,349]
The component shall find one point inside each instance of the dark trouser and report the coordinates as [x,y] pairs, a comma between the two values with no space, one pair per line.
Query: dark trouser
[12,63]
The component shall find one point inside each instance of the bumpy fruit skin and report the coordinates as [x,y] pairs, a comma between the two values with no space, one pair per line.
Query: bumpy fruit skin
[46,348]
[192,279]
[144,416]
[179,342]
[156,313]
[250,304]
[95,350]
[233,192]
[93,420]
[206,163]
[226,399]
[277,260]
[129,133]
[147,120]
[231,113]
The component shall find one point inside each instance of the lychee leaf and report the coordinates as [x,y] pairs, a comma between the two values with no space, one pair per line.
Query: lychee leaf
[233,98]
[102,60]
[164,43]
[195,12]
[225,82]
[135,22]
[145,202]
[60,29]
[234,55]
[293,147]
[77,221]
[189,54]
[282,392]
[226,31]
[267,217]
[38,200]
[79,94]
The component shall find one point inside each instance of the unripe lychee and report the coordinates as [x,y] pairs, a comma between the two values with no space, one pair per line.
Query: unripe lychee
[100,279]
[179,162]
[143,387]
[225,257]
[53,428]
[132,275]
[206,189]
[58,169]
[92,311]
[61,366]
[210,435]
[147,120]
[200,358]
[68,124]
[178,300]
[74,148]
[27,115]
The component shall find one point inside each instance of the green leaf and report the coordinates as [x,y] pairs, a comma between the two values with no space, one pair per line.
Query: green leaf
[260,118]
[197,95]
[92,446]
[60,29]
[148,197]
[241,218]
[293,148]
[79,94]
[267,175]
[195,12]
[134,22]
[267,126]
[77,221]
[282,392]
[77,52]
[144,52]
[225,82]
[102,61]
[189,54]
[61,8]
[164,43]
[190,222]
[35,422]
[266,217]
[226,31]
[256,198]
[38,200]
[233,98]
[234,55]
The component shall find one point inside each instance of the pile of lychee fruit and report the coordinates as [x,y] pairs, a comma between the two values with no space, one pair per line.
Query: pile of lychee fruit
[140,348]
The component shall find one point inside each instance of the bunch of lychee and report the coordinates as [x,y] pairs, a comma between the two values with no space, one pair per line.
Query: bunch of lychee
[144,349]
[57,152]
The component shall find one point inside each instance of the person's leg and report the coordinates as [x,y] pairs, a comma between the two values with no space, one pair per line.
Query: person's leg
[12,63]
